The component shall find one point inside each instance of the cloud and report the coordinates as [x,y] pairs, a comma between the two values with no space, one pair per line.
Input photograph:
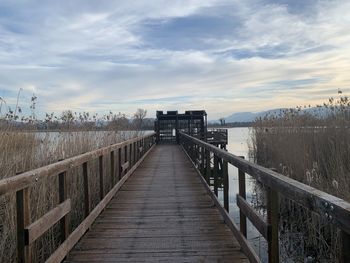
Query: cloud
[224,56]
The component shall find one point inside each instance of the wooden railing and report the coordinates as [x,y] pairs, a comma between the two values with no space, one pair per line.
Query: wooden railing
[335,210]
[124,159]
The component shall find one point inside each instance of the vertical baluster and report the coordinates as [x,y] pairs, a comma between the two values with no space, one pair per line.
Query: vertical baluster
[208,167]
[62,196]
[226,184]
[202,154]
[130,155]
[216,174]
[112,168]
[23,219]
[100,166]
[86,189]
[272,219]
[242,193]
[120,163]
[125,156]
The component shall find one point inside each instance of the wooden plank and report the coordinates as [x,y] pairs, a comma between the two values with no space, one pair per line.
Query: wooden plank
[74,237]
[39,227]
[246,247]
[305,195]
[23,180]
[156,220]
[256,219]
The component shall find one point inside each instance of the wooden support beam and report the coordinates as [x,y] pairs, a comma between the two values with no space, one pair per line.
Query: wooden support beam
[272,220]
[242,193]
[256,219]
[112,168]
[39,227]
[101,176]
[119,164]
[62,196]
[216,174]
[24,254]
[226,185]
[86,190]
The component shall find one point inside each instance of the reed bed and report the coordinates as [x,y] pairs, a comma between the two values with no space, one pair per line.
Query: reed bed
[23,151]
[313,148]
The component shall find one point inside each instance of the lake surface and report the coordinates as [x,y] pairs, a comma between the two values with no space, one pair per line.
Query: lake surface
[238,141]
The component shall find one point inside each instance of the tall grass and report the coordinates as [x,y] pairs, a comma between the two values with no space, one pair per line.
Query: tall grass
[24,151]
[313,147]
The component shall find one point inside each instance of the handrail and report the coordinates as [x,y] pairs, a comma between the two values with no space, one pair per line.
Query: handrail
[26,179]
[336,210]
[131,152]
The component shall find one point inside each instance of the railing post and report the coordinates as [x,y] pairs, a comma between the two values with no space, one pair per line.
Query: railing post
[62,196]
[100,166]
[23,219]
[86,190]
[226,184]
[130,154]
[202,160]
[216,174]
[125,156]
[345,247]
[272,220]
[119,163]
[112,168]
[242,193]
[208,167]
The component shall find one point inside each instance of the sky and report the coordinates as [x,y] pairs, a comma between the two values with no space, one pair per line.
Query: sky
[218,55]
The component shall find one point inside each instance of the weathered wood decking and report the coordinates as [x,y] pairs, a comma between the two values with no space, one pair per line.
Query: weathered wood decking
[162,213]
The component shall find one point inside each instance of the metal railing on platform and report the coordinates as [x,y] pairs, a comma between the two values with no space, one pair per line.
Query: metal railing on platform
[336,210]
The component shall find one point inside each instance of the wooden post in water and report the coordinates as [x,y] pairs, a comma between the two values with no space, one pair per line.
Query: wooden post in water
[242,193]
[272,220]
[216,174]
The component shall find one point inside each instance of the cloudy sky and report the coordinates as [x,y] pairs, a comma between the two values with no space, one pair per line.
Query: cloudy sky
[219,55]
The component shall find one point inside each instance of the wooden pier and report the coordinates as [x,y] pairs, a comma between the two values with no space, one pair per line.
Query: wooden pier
[162,213]
[143,202]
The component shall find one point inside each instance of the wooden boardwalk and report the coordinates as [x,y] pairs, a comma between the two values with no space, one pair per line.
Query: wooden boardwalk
[162,213]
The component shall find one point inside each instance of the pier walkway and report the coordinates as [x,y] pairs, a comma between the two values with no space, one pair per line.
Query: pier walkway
[161,213]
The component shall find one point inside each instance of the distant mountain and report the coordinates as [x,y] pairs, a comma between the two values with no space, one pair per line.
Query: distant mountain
[250,116]
[320,112]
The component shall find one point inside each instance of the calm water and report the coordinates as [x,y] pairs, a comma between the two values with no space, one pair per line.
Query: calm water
[238,139]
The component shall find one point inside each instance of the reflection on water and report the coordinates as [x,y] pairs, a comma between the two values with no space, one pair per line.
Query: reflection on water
[238,139]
